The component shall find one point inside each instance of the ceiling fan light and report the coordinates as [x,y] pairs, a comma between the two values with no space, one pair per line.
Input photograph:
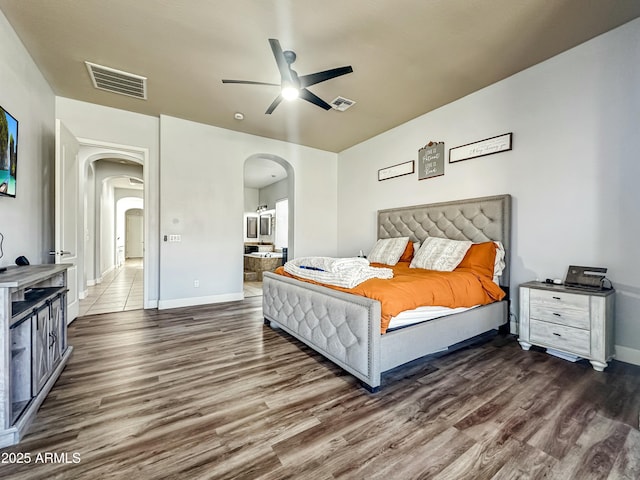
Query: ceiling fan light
[290,93]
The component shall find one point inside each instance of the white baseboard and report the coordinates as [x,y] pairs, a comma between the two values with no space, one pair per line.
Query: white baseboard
[91,283]
[151,304]
[627,355]
[192,301]
[83,294]
[107,271]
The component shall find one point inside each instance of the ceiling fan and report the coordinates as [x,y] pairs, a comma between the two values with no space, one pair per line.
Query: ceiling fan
[292,86]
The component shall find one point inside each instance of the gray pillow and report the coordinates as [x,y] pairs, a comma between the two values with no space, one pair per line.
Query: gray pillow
[440,254]
[388,250]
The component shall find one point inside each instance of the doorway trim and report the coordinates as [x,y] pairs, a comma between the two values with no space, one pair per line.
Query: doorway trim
[141,155]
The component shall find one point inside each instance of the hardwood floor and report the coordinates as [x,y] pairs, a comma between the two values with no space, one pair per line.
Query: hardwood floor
[210,392]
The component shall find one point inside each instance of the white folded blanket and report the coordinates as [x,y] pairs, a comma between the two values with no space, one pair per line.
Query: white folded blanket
[341,272]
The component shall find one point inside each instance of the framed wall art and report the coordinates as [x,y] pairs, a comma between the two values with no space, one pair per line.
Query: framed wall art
[488,146]
[393,171]
[431,160]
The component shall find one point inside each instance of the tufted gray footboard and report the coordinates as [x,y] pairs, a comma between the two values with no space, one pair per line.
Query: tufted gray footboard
[344,328]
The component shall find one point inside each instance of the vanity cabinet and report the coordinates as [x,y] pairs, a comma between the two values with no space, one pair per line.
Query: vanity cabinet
[33,345]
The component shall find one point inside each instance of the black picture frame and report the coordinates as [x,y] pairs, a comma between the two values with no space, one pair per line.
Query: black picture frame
[482,148]
[406,168]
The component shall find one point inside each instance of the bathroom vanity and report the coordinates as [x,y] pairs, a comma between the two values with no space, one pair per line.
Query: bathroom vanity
[260,258]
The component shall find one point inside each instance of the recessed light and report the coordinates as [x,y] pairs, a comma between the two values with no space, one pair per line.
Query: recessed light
[238,116]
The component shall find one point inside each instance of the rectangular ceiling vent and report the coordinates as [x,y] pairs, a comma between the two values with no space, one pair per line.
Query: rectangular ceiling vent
[117,81]
[341,103]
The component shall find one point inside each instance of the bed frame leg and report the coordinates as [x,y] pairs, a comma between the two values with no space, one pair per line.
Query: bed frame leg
[271,324]
[369,388]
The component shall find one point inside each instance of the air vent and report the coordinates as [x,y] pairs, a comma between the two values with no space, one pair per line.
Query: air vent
[341,103]
[117,81]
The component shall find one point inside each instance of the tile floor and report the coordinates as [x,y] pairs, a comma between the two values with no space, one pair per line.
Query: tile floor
[252,289]
[121,289]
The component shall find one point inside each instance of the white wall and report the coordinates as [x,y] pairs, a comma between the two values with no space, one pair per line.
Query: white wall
[251,196]
[250,206]
[208,163]
[27,220]
[107,228]
[573,171]
[272,193]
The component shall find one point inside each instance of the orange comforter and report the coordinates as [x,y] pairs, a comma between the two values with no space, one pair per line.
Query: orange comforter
[415,287]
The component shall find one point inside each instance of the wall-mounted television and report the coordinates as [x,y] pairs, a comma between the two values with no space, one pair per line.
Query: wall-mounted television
[8,153]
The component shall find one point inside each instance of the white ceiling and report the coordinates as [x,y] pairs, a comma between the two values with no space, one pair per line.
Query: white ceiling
[409,56]
[260,172]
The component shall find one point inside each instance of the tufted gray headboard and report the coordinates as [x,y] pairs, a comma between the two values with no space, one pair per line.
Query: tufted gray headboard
[476,219]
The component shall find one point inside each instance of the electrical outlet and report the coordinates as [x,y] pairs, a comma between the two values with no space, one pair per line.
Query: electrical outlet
[196,283]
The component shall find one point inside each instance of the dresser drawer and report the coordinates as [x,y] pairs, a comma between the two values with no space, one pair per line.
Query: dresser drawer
[561,308]
[567,339]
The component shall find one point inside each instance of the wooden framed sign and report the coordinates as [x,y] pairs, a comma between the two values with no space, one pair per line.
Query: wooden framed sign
[405,168]
[431,160]
[489,146]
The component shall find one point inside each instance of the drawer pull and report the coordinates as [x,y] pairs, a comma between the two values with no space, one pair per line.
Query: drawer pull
[557,314]
[557,298]
[557,334]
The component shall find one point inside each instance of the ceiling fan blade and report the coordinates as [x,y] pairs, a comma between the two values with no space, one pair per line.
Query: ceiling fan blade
[312,98]
[283,66]
[249,82]
[313,78]
[273,105]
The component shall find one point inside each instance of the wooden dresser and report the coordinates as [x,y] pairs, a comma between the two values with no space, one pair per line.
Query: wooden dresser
[575,323]
[33,343]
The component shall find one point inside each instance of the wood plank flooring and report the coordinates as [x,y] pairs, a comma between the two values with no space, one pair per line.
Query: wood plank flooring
[211,393]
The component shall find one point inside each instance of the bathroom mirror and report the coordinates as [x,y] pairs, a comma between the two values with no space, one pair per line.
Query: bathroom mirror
[252,227]
[265,224]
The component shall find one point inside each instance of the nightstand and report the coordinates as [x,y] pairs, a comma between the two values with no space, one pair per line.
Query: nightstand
[577,323]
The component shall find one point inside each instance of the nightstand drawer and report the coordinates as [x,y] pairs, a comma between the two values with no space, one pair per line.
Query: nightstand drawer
[561,308]
[568,339]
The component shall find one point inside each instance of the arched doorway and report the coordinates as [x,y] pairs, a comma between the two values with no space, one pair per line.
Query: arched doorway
[268,222]
[133,234]
[112,181]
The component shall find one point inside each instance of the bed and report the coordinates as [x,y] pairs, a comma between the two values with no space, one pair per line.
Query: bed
[345,328]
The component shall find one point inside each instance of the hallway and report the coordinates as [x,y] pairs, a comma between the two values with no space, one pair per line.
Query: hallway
[121,289]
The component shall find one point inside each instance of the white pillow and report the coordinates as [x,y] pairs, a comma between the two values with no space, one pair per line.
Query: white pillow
[499,264]
[440,254]
[388,250]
